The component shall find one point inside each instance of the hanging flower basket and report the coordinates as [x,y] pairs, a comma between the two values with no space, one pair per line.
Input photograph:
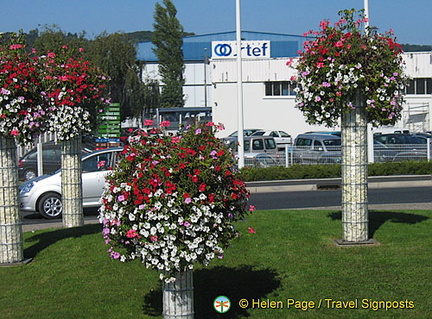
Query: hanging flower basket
[342,59]
[76,89]
[23,110]
[172,201]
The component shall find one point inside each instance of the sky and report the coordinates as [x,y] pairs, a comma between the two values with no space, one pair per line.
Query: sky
[410,20]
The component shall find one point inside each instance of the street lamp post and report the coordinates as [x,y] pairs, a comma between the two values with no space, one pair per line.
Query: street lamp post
[240,123]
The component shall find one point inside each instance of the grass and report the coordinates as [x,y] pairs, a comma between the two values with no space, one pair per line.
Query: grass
[291,256]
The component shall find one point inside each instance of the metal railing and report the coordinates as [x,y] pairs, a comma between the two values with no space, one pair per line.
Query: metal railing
[304,155]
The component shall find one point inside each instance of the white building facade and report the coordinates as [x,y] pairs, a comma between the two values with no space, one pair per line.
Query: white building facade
[268,92]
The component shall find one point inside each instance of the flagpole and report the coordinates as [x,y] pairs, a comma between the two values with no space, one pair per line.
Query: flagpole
[240,123]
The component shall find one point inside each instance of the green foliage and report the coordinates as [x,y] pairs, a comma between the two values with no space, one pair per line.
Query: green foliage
[116,55]
[139,36]
[293,172]
[168,40]
[400,168]
[416,47]
[53,39]
[249,174]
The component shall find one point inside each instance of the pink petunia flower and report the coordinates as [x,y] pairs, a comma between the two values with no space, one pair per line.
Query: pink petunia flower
[148,122]
[115,255]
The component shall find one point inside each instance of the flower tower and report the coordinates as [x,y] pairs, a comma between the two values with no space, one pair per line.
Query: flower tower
[23,115]
[77,90]
[356,77]
[172,201]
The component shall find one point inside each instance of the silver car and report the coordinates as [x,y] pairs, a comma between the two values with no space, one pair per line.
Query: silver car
[317,148]
[43,194]
[281,137]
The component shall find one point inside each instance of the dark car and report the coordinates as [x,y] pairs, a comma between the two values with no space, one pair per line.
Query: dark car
[51,158]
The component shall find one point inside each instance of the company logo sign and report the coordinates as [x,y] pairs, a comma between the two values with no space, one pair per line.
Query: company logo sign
[249,49]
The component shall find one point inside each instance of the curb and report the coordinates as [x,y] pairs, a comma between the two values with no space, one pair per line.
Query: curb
[298,185]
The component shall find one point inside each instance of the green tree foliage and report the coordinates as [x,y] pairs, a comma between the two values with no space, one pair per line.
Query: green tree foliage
[53,39]
[116,55]
[416,47]
[168,40]
[139,36]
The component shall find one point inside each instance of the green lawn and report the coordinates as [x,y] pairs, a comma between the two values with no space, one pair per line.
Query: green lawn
[291,257]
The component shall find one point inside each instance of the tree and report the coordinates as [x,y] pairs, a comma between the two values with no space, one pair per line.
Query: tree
[168,39]
[115,54]
[53,39]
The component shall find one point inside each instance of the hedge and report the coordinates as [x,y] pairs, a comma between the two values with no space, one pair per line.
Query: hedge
[250,174]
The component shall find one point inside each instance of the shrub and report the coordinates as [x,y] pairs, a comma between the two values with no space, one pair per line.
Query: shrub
[333,170]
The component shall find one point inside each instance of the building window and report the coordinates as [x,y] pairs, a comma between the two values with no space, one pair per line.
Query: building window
[280,88]
[419,86]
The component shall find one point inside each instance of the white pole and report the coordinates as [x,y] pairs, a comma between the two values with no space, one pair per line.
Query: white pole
[39,149]
[366,11]
[370,142]
[240,124]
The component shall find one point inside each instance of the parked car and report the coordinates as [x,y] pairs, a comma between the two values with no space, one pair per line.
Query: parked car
[399,147]
[424,136]
[282,138]
[311,147]
[43,194]
[337,133]
[246,132]
[51,158]
[255,144]
[259,160]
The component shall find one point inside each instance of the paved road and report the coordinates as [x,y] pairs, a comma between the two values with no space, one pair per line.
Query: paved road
[396,192]
[379,198]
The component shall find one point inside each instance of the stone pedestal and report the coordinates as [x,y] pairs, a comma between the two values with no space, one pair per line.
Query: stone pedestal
[355,173]
[11,239]
[178,299]
[71,183]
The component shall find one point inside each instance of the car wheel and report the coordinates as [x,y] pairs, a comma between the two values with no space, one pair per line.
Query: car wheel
[50,206]
[29,174]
